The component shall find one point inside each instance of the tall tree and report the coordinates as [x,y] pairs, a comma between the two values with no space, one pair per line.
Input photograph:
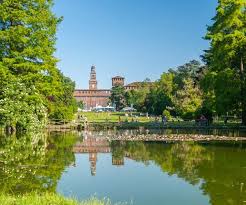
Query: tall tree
[27,45]
[227,53]
[117,97]
[192,70]
[137,97]
[27,41]
[161,94]
[188,100]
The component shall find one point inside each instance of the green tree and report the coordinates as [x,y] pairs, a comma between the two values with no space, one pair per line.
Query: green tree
[81,105]
[227,54]
[27,45]
[193,70]
[188,100]
[137,97]
[118,97]
[161,94]
[63,105]
[27,42]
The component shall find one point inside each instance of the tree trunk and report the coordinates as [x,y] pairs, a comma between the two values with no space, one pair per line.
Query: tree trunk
[243,100]
[9,130]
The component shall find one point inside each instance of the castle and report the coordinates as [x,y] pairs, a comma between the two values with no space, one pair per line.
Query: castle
[94,97]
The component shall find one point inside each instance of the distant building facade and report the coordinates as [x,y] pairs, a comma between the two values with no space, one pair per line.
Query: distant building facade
[94,97]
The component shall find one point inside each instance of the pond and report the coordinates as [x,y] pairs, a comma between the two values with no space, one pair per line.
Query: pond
[88,164]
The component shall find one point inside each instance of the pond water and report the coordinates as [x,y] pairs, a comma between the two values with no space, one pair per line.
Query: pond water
[86,164]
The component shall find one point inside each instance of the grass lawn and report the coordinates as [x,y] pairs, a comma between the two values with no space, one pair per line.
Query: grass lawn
[114,117]
[46,199]
[107,118]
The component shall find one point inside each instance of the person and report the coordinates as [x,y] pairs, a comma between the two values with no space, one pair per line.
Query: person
[226,120]
[85,122]
[163,119]
[203,120]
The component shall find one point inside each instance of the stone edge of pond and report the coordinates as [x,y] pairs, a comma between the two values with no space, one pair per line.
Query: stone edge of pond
[112,125]
[124,126]
[174,138]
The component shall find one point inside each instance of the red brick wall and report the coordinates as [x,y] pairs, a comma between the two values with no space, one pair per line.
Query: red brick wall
[93,98]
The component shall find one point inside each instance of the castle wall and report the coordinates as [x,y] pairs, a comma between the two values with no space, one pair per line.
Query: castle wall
[93,98]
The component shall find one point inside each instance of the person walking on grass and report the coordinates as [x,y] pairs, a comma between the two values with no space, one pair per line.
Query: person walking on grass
[164,119]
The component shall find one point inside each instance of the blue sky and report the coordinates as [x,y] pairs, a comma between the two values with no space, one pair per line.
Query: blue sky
[132,38]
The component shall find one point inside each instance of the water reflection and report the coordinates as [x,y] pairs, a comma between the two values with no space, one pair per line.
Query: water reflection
[218,168]
[34,161]
[150,172]
[92,145]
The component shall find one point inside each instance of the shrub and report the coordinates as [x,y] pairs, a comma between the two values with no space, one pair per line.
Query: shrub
[167,114]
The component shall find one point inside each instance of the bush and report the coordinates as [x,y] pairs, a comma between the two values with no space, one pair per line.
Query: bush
[167,114]
[21,107]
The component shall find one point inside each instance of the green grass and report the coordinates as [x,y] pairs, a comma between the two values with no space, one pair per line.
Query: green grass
[47,199]
[113,117]
[111,120]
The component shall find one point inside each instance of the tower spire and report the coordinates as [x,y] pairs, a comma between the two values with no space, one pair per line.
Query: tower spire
[93,78]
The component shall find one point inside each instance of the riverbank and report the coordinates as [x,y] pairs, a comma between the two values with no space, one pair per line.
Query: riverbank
[145,125]
[118,120]
[173,138]
[47,199]
[158,125]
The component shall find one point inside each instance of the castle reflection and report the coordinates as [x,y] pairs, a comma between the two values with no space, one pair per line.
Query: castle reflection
[94,144]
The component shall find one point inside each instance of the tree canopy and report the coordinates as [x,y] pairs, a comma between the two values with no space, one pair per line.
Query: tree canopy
[28,66]
[177,91]
[117,97]
[226,57]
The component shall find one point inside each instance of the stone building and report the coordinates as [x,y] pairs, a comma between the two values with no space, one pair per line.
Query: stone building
[94,97]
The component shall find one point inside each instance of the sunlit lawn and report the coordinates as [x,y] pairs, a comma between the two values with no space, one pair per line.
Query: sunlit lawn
[115,117]
[103,117]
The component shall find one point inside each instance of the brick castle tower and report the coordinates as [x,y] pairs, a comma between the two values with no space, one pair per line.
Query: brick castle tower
[118,80]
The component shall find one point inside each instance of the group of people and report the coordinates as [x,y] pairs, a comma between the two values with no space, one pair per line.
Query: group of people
[202,121]
[163,119]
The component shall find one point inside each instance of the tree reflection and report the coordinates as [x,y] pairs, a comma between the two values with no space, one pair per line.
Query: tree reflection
[219,169]
[34,162]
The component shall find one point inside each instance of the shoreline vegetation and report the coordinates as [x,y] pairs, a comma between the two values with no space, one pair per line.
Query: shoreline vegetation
[145,125]
[48,199]
[119,120]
